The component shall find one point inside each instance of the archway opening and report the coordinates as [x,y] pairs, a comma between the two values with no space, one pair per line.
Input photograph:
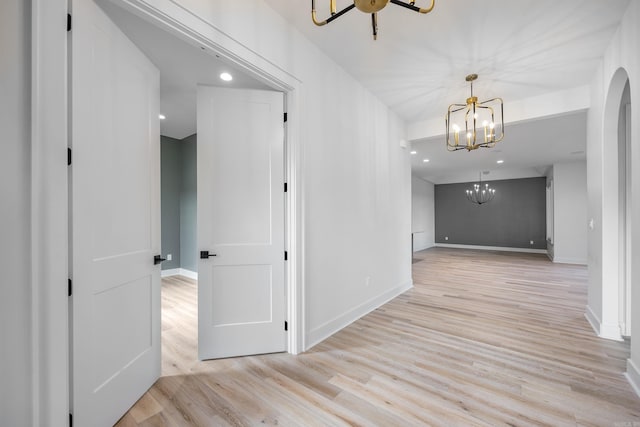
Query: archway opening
[616,238]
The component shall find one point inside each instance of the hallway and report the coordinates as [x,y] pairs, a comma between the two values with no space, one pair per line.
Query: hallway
[483,338]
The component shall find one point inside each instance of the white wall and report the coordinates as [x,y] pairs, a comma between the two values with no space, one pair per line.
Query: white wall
[570,213]
[602,308]
[422,214]
[356,177]
[15,316]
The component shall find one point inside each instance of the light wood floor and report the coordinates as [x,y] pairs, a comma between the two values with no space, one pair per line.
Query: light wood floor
[483,339]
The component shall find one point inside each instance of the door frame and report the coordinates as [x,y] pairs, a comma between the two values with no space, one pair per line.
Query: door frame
[49,329]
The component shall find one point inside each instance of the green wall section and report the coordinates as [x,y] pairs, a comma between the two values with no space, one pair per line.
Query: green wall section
[516,215]
[179,202]
[188,205]
[170,164]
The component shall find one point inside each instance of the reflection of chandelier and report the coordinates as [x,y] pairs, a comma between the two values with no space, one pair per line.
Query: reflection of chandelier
[479,194]
[477,117]
[367,6]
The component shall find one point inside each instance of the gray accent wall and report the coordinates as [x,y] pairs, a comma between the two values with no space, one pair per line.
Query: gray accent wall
[171,183]
[188,205]
[515,216]
[179,202]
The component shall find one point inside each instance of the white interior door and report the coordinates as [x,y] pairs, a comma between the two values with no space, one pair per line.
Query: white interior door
[115,179]
[241,295]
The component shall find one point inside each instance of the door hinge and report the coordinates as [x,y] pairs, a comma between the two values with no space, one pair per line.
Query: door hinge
[285,187]
[286,255]
[285,117]
[69,287]
[286,325]
[68,22]
[68,156]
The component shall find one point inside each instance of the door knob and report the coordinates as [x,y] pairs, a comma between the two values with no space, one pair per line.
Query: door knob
[157,259]
[206,255]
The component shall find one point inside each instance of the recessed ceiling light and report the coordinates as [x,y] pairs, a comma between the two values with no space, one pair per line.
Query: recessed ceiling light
[426,160]
[414,152]
[161,116]
[500,162]
[226,77]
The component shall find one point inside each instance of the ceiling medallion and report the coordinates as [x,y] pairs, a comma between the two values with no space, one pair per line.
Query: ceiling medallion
[367,6]
[477,118]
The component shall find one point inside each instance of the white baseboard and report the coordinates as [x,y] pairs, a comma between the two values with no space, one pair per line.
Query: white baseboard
[593,320]
[331,327]
[491,248]
[633,376]
[578,261]
[422,247]
[603,330]
[170,272]
[179,272]
[610,332]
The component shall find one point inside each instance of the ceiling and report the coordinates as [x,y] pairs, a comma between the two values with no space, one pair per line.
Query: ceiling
[417,67]
[182,67]
[528,149]
[519,50]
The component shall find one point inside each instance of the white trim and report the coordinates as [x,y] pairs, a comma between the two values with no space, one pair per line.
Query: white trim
[423,247]
[578,261]
[177,20]
[179,272]
[491,248]
[49,215]
[610,331]
[329,328]
[633,376]
[602,330]
[593,320]
[170,272]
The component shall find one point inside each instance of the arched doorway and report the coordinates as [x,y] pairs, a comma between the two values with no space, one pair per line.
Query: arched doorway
[616,238]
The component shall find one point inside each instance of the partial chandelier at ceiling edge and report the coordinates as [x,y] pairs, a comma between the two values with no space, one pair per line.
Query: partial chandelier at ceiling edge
[482,122]
[367,6]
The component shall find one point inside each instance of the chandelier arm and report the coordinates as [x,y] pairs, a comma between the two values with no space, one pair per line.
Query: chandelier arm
[490,100]
[329,19]
[411,6]
[374,25]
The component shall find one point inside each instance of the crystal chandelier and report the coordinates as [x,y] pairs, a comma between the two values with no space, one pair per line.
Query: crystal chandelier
[479,194]
[367,6]
[477,120]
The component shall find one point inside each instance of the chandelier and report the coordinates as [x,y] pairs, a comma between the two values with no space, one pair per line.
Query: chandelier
[479,194]
[477,119]
[367,6]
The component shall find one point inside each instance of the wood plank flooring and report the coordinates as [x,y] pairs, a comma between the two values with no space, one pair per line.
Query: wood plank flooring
[483,339]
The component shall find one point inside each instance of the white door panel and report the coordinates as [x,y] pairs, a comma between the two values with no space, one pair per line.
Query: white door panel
[115,219]
[241,299]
